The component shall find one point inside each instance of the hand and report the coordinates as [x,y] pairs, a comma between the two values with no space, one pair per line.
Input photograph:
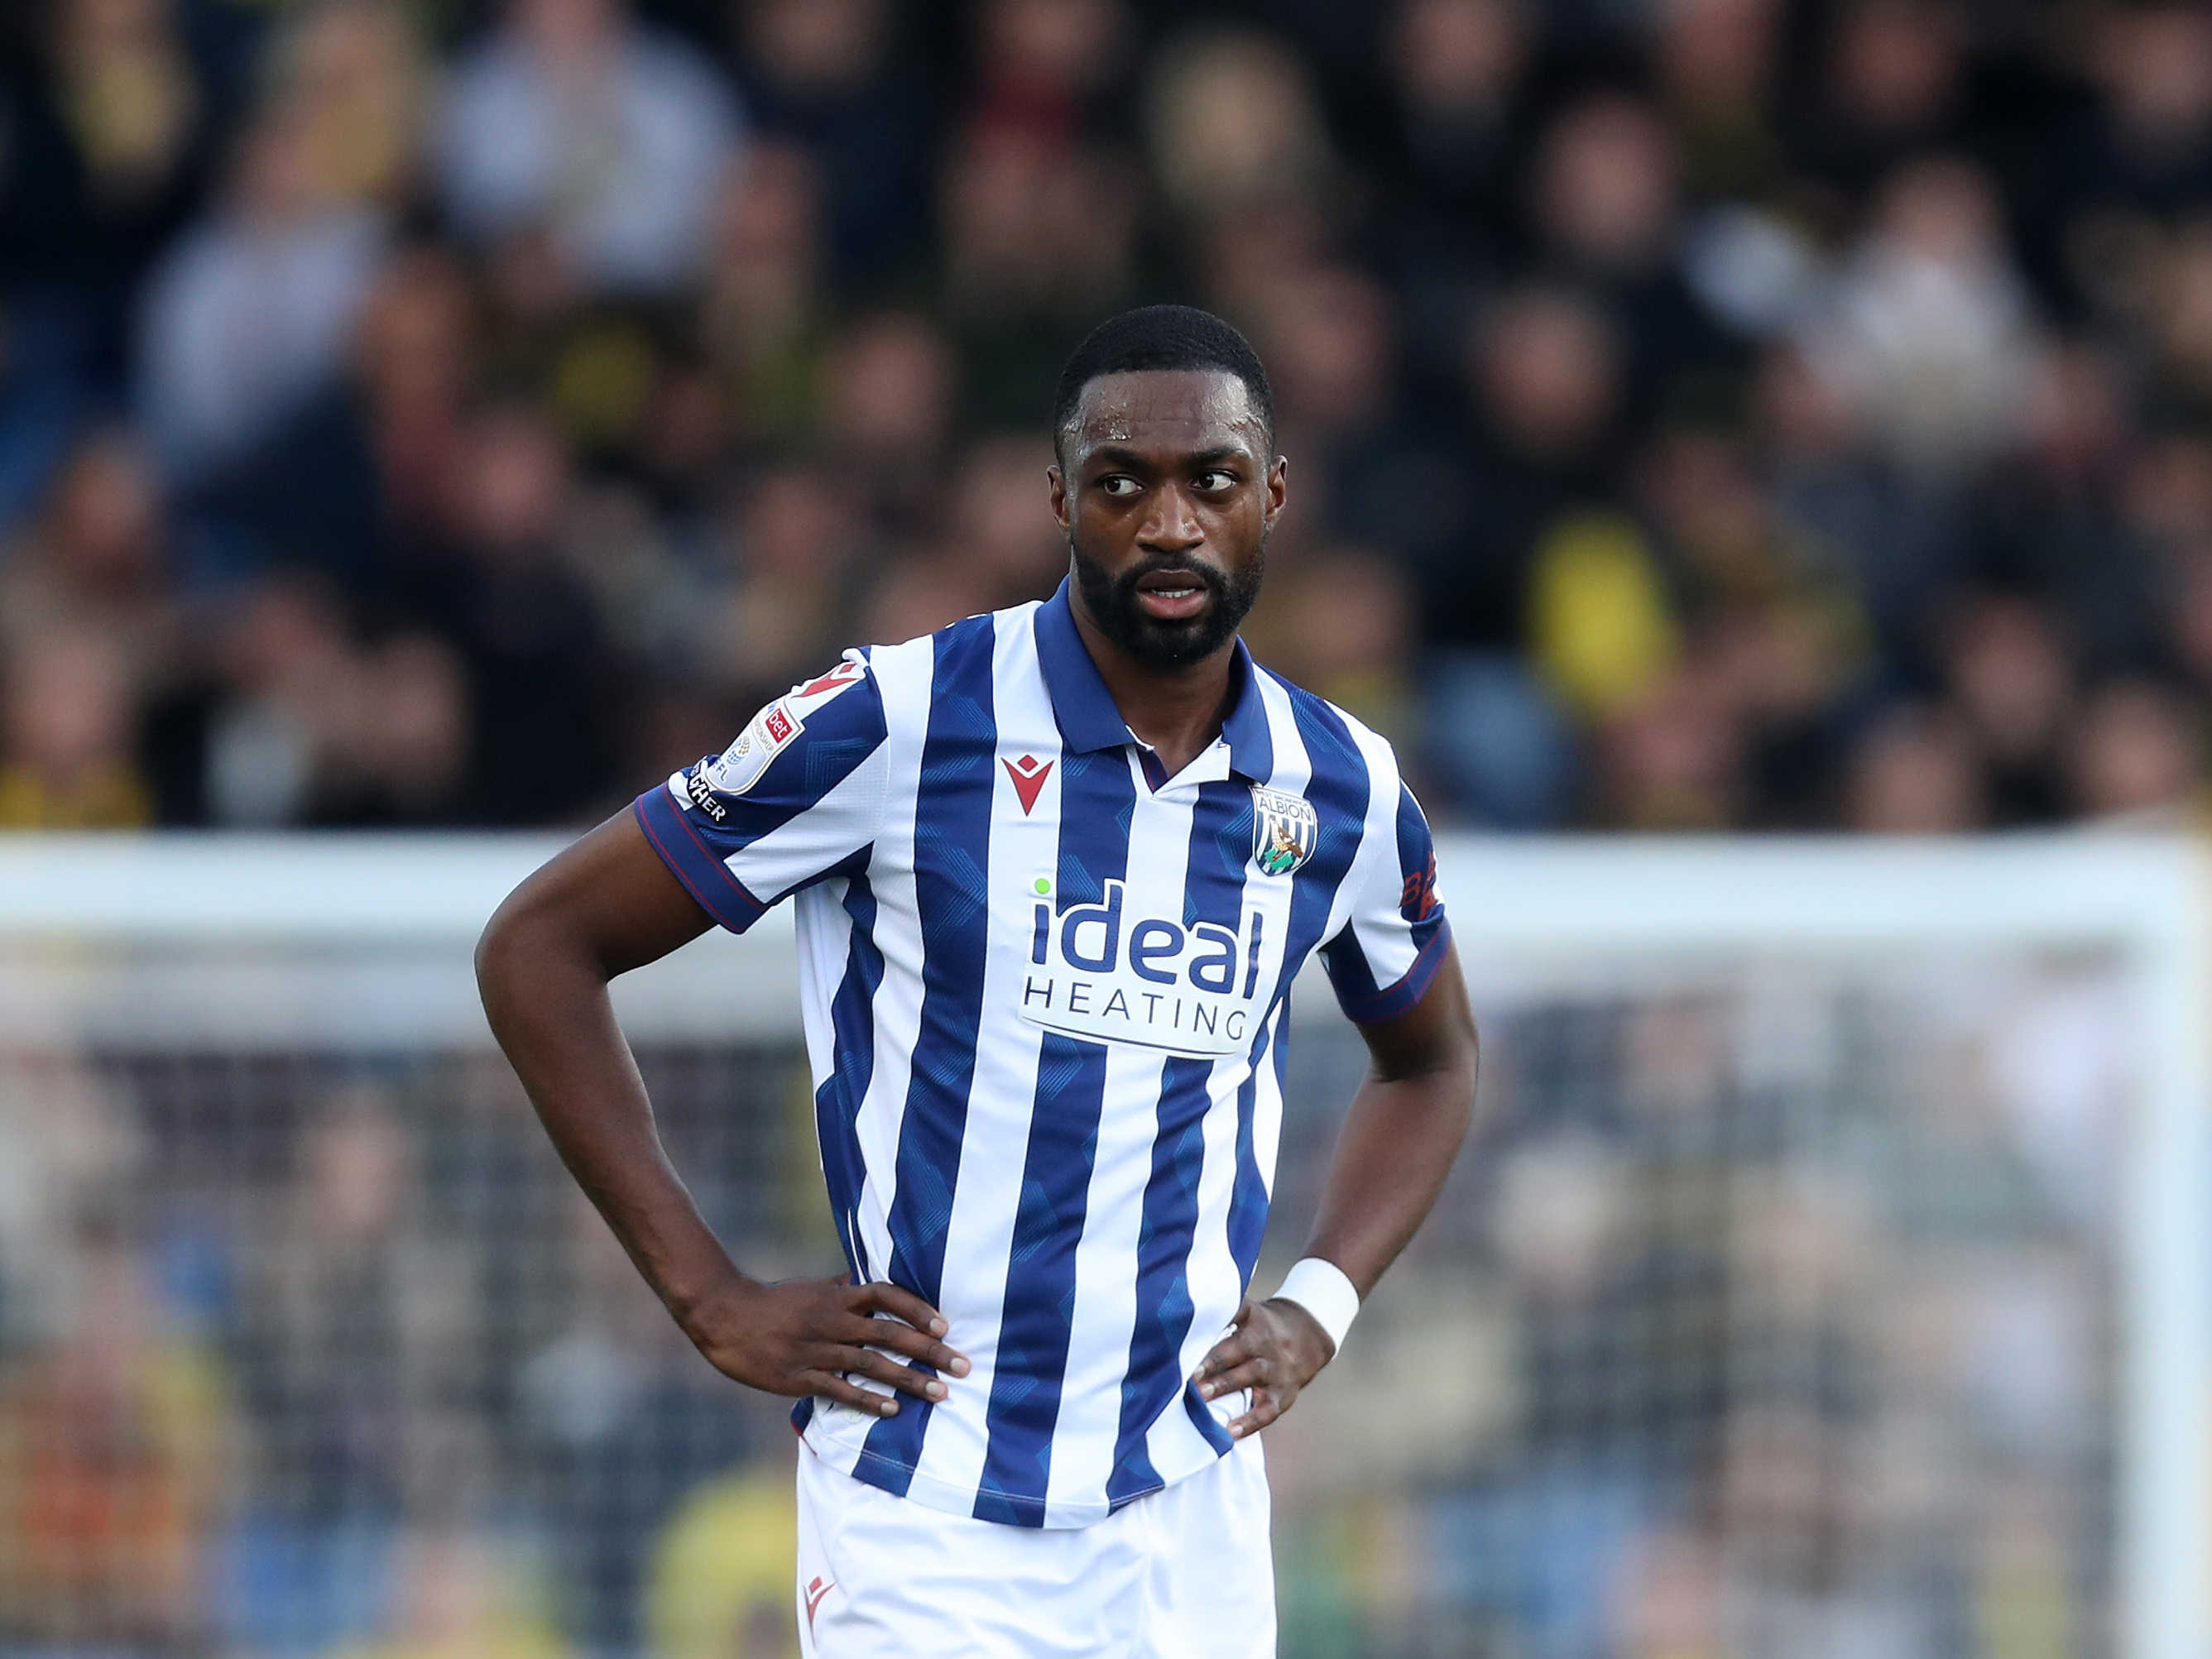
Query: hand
[803,1335]
[1277,1348]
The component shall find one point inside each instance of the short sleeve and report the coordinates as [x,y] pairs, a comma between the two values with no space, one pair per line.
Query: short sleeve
[1384,956]
[795,798]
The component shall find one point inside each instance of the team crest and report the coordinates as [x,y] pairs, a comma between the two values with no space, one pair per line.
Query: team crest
[1284,830]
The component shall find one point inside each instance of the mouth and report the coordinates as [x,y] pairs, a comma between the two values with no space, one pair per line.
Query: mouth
[1171,595]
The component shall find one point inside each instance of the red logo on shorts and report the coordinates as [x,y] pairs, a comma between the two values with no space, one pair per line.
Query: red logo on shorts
[1028,773]
[816,1590]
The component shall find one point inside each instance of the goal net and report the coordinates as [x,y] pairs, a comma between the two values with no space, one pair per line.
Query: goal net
[1827,1276]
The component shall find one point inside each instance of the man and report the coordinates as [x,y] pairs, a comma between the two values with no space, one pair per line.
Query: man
[1055,870]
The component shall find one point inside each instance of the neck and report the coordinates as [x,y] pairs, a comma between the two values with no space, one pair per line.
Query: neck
[1178,711]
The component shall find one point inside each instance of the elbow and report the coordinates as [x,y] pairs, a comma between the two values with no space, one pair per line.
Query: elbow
[501,950]
[495,950]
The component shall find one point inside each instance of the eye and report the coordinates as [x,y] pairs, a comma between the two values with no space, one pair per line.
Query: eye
[1119,485]
[1214,479]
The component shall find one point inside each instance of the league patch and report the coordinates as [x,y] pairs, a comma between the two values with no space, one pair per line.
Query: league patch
[738,767]
[1284,830]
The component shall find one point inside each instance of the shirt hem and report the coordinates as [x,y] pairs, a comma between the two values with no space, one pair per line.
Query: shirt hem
[902,1479]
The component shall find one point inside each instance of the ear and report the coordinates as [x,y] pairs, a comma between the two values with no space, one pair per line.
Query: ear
[1278,487]
[1059,494]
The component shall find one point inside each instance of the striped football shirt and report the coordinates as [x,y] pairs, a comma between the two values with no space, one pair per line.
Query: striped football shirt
[1046,988]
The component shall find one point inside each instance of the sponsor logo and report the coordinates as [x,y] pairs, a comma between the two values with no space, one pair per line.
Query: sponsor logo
[1417,900]
[1095,972]
[1028,773]
[1284,830]
[817,1588]
[703,797]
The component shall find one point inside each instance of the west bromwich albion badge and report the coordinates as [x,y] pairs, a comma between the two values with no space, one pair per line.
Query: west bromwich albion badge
[1284,830]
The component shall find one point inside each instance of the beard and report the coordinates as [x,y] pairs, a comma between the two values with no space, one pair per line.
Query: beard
[1112,602]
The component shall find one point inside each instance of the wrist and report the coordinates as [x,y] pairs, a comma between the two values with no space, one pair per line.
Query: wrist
[695,1304]
[1321,1287]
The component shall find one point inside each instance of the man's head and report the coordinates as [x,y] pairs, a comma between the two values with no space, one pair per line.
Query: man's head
[1167,480]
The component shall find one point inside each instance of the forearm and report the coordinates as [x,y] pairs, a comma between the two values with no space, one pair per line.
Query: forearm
[1405,1128]
[1396,1147]
[546,998]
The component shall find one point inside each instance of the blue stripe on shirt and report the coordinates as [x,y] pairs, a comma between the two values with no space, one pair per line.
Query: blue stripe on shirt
[1164,1304]
[1097,801]
[837,1102]
[1215,865]
[951,859]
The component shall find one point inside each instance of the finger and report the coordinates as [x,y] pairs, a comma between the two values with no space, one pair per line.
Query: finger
[1254,1373]
[1265,1409]
[834,1387]
[892,1334]
[902,1305]
[884,1369]
[1229,1352]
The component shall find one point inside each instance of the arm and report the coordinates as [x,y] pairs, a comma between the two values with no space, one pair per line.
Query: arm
[601,908]
[1405,1128]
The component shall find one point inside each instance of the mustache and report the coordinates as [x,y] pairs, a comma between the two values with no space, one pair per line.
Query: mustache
[1206,577]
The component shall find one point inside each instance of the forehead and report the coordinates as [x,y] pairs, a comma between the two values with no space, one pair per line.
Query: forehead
[1168,411]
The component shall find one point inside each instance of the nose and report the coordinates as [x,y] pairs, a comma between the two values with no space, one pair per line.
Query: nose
[1171,526]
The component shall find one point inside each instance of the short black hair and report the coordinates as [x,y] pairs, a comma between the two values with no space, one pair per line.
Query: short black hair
[1161,337]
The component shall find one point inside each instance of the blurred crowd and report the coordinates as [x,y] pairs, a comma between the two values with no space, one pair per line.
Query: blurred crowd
[1778,1322]
[1701,413]
[303,1358]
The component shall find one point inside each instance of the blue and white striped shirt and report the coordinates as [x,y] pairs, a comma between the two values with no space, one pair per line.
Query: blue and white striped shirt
[1045,991]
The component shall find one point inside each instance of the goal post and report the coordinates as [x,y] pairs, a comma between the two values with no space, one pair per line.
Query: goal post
[1938,1109]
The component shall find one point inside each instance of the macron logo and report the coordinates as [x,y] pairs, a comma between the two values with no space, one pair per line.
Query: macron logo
[1028,773]
[816,1591]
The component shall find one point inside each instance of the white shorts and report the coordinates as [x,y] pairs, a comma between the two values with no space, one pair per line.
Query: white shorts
[1183,1573]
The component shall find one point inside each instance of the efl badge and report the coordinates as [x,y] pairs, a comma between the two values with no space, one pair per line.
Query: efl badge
[738,767]
[1284,830]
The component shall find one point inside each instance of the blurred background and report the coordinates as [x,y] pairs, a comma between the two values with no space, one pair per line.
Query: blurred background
[1703,414]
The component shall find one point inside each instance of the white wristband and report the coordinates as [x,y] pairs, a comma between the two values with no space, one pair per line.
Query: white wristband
[1320,1288]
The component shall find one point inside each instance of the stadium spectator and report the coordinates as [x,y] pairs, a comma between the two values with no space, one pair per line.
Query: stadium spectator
[66,719]
[1445,148]
[1892,85]
[112,1440]
[93,563]
[1607,218]
[1913,773]
[606,138]
[762,318]
[1930,331]
[825,76]
[110,131]
[248,316]
[2137,755]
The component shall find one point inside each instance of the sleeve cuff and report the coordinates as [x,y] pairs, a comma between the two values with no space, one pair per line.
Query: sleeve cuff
[1393,1000]
[705,877]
